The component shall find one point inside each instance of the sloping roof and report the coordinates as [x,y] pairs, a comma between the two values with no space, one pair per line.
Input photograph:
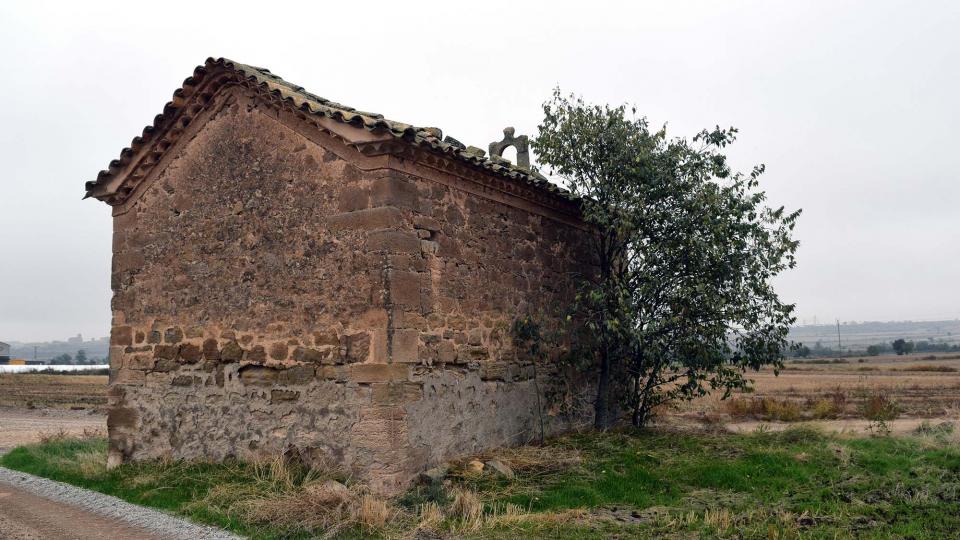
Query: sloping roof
[428,138]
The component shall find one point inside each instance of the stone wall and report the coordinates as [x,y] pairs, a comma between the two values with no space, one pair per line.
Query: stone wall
[276,291]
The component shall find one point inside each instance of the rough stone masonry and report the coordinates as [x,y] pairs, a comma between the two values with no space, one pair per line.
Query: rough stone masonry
[294,276]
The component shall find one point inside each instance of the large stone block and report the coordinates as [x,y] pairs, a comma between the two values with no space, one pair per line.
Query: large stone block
[405,288]
[405,344]
[368,219]
[395,191]
[377,373]
[394,241]
[121,335]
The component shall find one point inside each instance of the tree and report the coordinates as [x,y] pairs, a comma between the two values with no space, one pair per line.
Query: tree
[681,301]
[81,357]
[901,346]
[874,350]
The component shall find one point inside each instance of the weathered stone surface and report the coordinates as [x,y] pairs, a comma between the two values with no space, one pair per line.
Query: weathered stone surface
[166,352]
[374,373]
[211,351]
[405,345]
[256,354]
[165,365]
[306,354]
[434,475]
[184,380]
[258,375]
[278,351]
[367,219]
[358,347]
[173,335]
[277,396]
[426,223]
[405,288]
[498,468]
[393,241]
[326,337]
[124,417]
[129,376]
[231,352]
[190,353]
[121,335]
[296,375]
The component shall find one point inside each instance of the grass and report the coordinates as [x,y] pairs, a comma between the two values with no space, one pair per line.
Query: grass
[798,483]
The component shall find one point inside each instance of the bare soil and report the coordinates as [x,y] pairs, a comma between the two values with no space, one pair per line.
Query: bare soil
[27,426]
[24,516]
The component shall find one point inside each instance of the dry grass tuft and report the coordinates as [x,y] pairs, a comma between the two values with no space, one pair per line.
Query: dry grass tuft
[783,410]
[371,512]
[328,506]
[536,460]
[467,508]
[429,516]
[90,463]
[47,437]
[930,368]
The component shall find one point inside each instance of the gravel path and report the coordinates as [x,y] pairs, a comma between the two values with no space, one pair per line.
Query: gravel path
[33,507]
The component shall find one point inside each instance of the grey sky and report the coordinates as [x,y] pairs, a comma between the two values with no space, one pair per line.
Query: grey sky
[852,106]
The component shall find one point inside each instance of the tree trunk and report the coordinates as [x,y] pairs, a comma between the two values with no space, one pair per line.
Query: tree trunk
[602,405]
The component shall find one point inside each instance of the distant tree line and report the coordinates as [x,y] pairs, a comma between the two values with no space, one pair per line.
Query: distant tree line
[899,346]
[80,359]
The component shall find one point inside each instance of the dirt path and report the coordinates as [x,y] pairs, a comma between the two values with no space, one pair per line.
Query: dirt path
[850,426]
[24,516]
[24,426]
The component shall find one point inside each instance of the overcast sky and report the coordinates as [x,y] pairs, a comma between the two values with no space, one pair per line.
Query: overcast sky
[853,107]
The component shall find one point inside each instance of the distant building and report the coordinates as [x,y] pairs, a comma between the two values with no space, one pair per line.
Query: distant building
[4,353]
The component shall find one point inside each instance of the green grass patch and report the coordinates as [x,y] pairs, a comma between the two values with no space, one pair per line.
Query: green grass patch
[793,484]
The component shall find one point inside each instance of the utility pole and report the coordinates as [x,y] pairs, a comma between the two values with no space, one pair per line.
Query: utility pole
[839,346]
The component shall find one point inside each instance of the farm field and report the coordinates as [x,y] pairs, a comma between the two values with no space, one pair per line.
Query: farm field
[35,407]
[43,391]
[848,395]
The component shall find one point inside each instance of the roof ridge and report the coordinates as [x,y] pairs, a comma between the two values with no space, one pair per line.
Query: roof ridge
[430,138]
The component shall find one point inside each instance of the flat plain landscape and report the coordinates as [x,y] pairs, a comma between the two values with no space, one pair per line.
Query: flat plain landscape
[829,448]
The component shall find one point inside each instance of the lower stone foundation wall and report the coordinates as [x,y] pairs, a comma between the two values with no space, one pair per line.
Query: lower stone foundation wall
[211,398]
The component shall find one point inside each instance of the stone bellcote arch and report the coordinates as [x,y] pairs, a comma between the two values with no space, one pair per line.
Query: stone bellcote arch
[521,144]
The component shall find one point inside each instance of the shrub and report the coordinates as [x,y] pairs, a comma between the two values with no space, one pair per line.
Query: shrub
[782,410]
[878,407]
[826,408]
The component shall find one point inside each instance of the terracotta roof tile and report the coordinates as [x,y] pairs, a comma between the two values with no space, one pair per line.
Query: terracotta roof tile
[430,138]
